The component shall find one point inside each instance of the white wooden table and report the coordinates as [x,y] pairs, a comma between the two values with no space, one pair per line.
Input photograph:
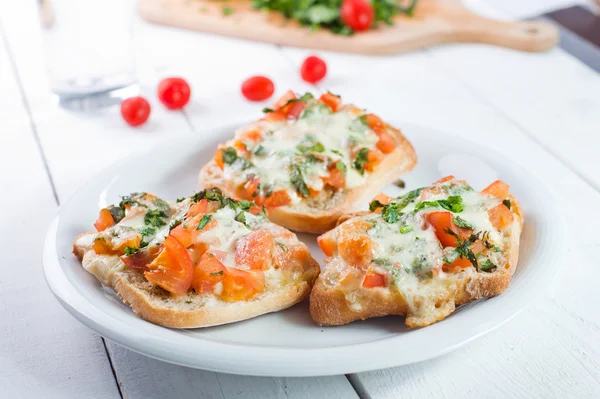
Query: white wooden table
[542,110]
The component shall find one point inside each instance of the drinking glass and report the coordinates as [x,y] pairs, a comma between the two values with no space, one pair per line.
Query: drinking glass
[88,51]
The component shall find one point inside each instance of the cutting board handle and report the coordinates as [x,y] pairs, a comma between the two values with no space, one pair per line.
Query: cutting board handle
[520,35]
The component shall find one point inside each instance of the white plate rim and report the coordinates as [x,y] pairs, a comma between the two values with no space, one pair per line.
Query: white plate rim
[276,361]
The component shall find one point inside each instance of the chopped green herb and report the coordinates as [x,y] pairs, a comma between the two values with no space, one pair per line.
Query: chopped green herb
[241,217]
[361,159]
[260,150]
[306,97]
[266,110]
[382,261]
[215,274]
[281,245]
[161,204]
[155,217]
[364,119]
[227,10]
[316,147]
[131,250]
[463,247]
[453,204]
[188,301]
[204,221]
[507,203]
[338,153]
[174,223]
[460,222]
[229,155]
[147,231]
[298,181]
[180,200]
[341,166]
[488,266]
[407,228]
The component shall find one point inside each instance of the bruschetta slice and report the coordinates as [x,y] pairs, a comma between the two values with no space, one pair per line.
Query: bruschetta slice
[309,160]
[419,255]
[201,261]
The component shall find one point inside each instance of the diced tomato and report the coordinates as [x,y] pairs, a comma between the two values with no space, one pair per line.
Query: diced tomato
[498,189]
[251,187]
[277,198]
[274,116]
[208,272]
[500,216]
[386,143]
[101,247]
[218,158]
[356,250]
[142,258]
[255,251]
[312,193]
[373,159]
[255,210]
[187,232]
[354,245]
[374,122]
[374,280]
[457,265]
[172,269]
[105,220]
[327,243]
[283,100]
[253,135]
[198,208]
[383,198]
[293,110]
[442,221]
[444,179]
[241,285]
[241,148]
[331,100]
[336,178]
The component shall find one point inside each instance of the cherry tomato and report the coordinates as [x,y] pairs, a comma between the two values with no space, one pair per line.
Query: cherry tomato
[313,69]
[258,88]
[357,14]
[174,93]
[135,110]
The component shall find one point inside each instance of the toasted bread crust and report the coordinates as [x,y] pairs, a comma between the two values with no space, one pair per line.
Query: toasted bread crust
[312,220]
[191,311]
[328,307]
[142,305]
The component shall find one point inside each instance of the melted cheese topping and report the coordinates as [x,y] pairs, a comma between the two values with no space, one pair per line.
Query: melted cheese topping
[409,253]
[316,134]
[223,237]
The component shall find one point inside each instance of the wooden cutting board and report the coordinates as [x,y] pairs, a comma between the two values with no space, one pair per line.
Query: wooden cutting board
[434,22]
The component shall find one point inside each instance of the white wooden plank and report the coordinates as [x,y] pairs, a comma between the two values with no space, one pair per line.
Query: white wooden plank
[418,90]
[44,352]
[139,376]
[553,96]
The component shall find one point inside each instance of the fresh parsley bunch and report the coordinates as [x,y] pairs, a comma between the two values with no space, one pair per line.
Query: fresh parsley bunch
[326,13]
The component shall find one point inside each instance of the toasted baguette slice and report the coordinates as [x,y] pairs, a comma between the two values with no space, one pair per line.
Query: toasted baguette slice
[328,200]
[371,269]
[289,272]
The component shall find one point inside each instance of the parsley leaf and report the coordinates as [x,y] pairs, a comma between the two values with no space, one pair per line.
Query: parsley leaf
[316,147]
[298,181]
[460,222]
[155,217]
[267,110]
[463,247]
[341,166]
[382,261]
[227,10]
[117,213]
[361,159]
[241,217]
[229,155]
[131,250]
[488,266]
[215,274]
[453,204]
[260,150]
[407,228]
[507,203]
[204,221]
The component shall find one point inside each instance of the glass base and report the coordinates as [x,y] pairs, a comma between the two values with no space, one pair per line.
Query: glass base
[98,99]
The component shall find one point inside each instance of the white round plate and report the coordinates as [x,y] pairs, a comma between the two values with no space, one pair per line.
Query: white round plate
[288,343]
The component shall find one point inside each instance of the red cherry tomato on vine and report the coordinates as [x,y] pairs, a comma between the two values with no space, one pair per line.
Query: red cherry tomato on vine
[174,93]
[313,69]
[258,88]
[135,110]
[357,14]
